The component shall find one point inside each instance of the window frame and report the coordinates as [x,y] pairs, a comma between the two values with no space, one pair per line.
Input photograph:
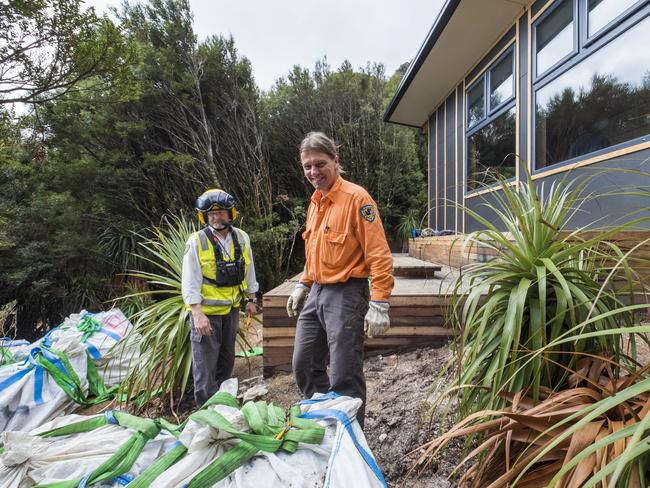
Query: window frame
[467,107]
[576,38]
[585,38]
[488,80]
[490,115]
[618,26]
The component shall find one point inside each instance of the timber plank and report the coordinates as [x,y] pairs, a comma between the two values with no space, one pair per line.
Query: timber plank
[285,332]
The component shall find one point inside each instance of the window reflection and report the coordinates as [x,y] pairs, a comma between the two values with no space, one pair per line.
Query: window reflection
[475,104]
[501,82]
[554,36]
[602,12]
[600,102]
[491,151]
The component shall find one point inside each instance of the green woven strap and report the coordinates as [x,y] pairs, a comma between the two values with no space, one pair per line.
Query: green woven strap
[271,434]
[77,427]
[223,465]
[70,382]
[160,466]
[7,356]
[88,325]
[96,385]
[125,456]
[218,421]
[222,398]
[174,429]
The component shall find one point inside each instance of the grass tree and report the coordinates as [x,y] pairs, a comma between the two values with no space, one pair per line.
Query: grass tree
[548,384]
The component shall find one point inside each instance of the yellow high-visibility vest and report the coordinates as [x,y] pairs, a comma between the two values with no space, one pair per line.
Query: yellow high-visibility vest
[220,300]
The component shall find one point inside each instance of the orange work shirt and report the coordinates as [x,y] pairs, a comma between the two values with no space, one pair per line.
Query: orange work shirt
[344,239]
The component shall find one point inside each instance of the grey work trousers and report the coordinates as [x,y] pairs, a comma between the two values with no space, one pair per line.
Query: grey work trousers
[332,321]
[213,356]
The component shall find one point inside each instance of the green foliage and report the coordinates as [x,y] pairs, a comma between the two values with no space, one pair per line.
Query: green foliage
[48,48]
[141,137]
[549,384]
[543,285]
[348,105]
[165,354]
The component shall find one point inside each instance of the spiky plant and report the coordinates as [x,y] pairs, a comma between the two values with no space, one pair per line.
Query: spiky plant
[542,284]
[550,388]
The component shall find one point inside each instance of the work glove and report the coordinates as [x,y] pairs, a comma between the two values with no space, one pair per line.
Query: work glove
[376,321]
[297,300]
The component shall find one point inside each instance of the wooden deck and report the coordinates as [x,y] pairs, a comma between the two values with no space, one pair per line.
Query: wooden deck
[418,313]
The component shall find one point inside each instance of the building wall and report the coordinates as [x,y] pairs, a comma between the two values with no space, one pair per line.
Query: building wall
[448,146]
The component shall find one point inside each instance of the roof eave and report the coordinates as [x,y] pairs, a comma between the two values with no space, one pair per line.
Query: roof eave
[439,25]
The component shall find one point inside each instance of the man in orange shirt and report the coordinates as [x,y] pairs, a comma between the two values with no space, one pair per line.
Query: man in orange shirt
[344,245]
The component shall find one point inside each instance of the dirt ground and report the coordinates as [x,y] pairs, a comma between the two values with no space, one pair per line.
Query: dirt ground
[400,387]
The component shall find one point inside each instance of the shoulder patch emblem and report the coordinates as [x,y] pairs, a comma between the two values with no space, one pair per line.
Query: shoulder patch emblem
[368,212]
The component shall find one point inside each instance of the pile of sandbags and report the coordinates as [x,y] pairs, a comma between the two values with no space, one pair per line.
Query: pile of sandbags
[316,443]
[73,364]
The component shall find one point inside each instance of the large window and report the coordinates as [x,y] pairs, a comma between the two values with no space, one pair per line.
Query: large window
[491,135]
[599,96]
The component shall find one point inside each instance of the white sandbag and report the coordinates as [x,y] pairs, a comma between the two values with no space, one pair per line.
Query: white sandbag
[29,396]
[112,361]
[342,460]
[29,459]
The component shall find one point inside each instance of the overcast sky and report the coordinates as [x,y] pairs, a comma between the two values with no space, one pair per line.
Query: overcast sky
[275,35]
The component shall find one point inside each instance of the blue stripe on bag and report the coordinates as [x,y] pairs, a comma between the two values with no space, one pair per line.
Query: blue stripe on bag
[173,446]
[9,342]
[331,413]
[14,378]
[110,418]
[330,395]
[38,385]
[111,334]
[46,338]
[93,351]
[124,479]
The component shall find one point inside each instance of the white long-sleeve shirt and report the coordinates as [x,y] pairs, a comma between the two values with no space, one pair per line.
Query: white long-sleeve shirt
[192,278]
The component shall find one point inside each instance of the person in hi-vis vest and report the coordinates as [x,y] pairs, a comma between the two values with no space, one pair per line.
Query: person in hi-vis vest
[218,273]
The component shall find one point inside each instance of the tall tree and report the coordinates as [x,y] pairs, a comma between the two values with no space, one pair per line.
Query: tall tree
[48,47]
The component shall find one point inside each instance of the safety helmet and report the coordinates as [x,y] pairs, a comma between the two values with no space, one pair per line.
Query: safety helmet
[215,199]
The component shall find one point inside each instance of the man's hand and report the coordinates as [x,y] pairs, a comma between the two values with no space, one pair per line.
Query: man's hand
[201,323]
[251,309]
[377,321]
[297,300]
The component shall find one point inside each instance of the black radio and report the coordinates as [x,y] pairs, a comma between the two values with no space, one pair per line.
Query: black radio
[230,273]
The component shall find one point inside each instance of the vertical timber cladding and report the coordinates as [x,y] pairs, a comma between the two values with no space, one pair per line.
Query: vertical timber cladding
[458,157]
[440,183]
[522,95]
[450,162]
[431,197]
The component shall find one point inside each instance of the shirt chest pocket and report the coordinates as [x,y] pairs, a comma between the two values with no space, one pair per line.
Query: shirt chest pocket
[334,247]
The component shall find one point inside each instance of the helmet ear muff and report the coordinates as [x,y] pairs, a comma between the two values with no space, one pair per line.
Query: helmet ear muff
[201,217]
[233,214]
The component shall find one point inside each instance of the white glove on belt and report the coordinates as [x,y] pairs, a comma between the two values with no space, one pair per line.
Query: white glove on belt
[297,300]
[376,321]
